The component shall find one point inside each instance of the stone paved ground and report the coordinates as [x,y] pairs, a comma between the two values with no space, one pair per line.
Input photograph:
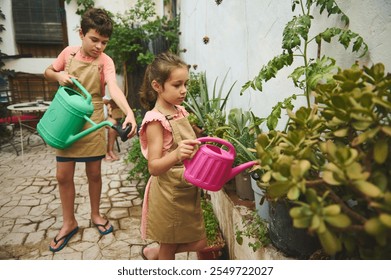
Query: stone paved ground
[30,208]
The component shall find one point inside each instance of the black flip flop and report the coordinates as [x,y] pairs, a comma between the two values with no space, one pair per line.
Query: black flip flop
[107,231]
[142,252]
[66,238]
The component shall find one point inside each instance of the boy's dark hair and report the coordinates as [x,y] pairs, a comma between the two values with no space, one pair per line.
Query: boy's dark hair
[97,19]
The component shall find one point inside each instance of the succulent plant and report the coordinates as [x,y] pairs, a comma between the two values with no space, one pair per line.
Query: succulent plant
[334,163]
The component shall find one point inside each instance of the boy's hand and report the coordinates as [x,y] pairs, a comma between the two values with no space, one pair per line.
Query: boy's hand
[64,79]
[130,120]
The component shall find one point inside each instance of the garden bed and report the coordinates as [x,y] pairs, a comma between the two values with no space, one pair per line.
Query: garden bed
[229,210]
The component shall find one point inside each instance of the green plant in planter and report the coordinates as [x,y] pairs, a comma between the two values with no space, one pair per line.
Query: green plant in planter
[256,229]
[212,229]
[334,164]
[139,172]
[296,45]
[208,111]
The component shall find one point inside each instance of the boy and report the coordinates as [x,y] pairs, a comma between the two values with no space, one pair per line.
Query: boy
[93,69]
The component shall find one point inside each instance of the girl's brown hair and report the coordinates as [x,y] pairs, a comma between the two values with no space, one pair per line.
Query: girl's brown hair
[159,70]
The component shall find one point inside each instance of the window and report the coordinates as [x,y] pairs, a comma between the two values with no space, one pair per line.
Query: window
[40,27]
[27,87]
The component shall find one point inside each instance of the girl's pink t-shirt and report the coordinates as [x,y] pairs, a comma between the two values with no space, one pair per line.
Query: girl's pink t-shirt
[108,73]
[151,116]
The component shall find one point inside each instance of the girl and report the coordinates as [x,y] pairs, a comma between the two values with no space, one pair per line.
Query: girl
[171,211]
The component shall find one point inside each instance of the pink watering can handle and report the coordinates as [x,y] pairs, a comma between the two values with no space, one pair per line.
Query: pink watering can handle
[231,149]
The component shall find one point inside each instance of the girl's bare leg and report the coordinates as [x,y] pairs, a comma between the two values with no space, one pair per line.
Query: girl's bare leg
[155,253]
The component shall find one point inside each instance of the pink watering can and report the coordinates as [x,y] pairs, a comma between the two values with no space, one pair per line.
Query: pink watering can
[211,167]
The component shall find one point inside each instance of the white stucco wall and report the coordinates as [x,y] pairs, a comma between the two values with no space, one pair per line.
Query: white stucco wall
[246,34]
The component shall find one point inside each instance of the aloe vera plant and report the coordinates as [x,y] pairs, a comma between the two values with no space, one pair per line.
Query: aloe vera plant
[208,109]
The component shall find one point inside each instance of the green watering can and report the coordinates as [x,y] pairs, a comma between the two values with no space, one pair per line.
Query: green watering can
[62,123]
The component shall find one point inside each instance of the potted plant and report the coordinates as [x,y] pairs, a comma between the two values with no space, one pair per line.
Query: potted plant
[215,240]
[207,111]
[243,128]
[333,164]
[273,148]
[241,131]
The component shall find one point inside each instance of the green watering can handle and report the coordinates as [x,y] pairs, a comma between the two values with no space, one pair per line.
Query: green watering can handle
[85,92]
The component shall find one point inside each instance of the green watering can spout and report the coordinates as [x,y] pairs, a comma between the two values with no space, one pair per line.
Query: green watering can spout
[62,123]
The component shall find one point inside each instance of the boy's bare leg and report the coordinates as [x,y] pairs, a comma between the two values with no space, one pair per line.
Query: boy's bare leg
[66,186]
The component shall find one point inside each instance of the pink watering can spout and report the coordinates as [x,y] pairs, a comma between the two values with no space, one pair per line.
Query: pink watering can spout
[238,169]
[211,166]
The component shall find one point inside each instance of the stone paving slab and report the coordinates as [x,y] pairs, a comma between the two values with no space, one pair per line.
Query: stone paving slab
[30,209]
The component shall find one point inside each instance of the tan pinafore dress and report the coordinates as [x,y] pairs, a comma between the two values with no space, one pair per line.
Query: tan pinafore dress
[174,212]
[94,144]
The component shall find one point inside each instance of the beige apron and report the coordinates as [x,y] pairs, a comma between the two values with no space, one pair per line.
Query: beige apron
[94,144]
[174,209]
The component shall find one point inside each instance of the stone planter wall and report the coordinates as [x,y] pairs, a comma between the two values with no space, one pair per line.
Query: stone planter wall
[229,215]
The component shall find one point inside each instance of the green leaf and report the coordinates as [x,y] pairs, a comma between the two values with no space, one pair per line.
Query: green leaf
[341,132]
[354,171]
[330,243]
[278,189]
[339,101]
[382,102]
[293,193]
[299,168]
[303,222]
[367,188]
[328,177]
[291,33]
[315,223]
[361,125]
[296,212]
[239,240]
[385,219]
[373,226]
[332,210]
[361,138]
[340,221]
[380,151]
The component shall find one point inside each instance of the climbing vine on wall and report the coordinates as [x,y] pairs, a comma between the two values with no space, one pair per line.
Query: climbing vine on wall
[83,5]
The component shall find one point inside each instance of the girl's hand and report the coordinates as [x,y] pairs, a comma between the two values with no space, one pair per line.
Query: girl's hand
[186,149]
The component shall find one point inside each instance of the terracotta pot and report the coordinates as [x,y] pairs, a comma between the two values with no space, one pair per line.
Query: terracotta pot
[210,253]
[213,252]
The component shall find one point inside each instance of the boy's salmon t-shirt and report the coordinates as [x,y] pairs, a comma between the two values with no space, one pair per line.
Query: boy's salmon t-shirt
[107,67]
